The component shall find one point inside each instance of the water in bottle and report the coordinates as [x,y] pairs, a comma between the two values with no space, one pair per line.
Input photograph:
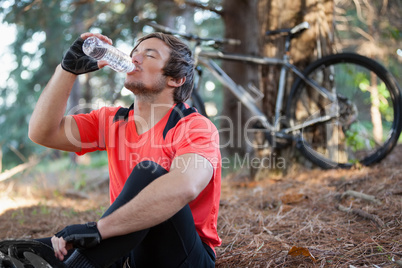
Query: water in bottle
[99,50]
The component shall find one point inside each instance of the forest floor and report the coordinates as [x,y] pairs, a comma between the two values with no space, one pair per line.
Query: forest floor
[312,218]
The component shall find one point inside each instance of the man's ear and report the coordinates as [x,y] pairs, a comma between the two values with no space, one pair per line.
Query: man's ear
[173,82]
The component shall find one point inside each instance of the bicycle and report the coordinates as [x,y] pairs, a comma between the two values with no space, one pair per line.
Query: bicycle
[343,109]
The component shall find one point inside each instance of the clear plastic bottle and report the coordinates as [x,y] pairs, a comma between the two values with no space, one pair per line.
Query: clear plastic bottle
[100,50]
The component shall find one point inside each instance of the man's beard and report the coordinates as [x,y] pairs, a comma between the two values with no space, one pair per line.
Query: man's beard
[141,90]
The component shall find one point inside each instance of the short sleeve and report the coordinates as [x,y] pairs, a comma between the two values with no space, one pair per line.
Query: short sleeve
[197,134]
[93,128]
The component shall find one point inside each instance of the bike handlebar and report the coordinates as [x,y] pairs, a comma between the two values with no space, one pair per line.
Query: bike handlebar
[191,37]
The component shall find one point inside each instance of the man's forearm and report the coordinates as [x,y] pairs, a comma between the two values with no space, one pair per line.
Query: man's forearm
[156,203]
[51,106]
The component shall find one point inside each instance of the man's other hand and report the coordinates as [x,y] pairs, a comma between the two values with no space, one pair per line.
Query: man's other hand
[77,236]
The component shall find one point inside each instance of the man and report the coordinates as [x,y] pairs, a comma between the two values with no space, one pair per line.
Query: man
[164,161]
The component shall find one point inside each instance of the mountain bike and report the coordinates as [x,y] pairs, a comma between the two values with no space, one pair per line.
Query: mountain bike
[342,109]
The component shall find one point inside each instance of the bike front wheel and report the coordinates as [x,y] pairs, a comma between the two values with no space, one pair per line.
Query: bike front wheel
[362,122]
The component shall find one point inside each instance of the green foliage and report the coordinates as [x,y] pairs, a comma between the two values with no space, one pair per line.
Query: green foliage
[101,211]
[372,28]
[383,95]
[45,29]
[70,213]
[80,183]
[356,137]
[19,215]
[98,160]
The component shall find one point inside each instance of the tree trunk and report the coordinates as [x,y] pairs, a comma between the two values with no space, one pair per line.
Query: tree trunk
[313,43]
[241,23]
[375,100]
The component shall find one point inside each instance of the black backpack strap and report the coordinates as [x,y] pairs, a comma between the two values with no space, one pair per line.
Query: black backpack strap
[179,111]
[122,113]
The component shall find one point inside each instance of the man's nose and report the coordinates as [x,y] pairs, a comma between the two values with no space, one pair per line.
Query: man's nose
[137,58]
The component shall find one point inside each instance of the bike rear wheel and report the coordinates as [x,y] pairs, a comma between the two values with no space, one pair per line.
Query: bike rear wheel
[362,125]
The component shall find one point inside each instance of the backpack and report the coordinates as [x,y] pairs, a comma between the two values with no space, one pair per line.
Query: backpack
[25,253]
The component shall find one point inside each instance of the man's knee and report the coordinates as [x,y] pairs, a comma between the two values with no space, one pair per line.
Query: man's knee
[142,174]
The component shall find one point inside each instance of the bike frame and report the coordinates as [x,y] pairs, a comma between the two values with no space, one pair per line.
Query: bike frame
[205,58]
[206,51]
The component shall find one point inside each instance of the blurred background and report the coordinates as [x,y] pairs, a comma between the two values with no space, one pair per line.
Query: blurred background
[36,33]
[42,190]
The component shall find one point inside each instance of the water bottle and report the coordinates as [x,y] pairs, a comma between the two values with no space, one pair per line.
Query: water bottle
[100,50]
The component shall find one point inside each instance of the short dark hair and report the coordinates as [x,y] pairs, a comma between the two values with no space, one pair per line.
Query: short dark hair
[180,63]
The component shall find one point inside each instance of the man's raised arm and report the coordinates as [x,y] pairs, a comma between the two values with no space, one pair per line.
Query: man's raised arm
[48,125]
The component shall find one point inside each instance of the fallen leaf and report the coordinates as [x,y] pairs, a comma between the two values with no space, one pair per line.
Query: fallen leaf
[292,198]
[297,251]
[285,208]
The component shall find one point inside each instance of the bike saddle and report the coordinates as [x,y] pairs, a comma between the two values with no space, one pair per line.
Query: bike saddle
[27,254]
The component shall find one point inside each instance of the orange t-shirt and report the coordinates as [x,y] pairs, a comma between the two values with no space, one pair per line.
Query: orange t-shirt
[182,130]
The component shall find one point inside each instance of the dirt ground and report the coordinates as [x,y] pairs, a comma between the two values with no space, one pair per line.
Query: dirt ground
[313,218]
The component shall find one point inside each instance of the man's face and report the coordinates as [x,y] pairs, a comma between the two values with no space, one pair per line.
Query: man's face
[149,57]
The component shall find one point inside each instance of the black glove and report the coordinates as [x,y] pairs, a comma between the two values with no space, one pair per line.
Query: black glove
[76,61]
[81,235]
